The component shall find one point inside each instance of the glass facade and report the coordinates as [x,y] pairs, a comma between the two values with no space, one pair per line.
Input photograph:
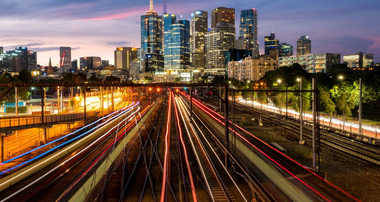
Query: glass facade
[65,58]
[222,14]
[286,50]
[151,42]
[303,45]
[271,43]
[198,28]
[248,30]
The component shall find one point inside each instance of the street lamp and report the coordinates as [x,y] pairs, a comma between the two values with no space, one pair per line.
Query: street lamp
[360,102]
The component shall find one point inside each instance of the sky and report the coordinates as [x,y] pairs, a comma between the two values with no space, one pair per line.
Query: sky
[97,27]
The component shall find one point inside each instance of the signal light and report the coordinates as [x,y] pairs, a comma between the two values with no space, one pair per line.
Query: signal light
[176,90]
[158,89]
[150,89]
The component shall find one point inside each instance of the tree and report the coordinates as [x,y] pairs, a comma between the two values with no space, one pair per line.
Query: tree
[218,79]
[346,96]
[25,76]
[93,79]
[326,102]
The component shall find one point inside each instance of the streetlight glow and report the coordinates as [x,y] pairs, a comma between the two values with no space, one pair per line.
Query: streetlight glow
[341,77]
[279,81]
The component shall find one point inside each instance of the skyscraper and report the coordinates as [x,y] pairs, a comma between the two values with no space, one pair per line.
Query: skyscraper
[32,60]
[222,14]
[169,20]
[151,40]
[124,56]
[303,45]
[218,40]
[1,50]
[271,43]
[74,65]
[65,58]
[248,30]
[87,63]
[285,49]
[198,28]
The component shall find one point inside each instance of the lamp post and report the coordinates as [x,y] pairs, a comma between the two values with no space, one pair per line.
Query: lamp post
[301,142]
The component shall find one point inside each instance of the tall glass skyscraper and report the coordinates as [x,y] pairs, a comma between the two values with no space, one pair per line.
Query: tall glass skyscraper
[151,41]
[248,30]
[303,46]
[198,28]
[177,43]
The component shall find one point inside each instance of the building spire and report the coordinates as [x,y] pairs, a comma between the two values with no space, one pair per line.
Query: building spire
[50,62]
[151,6]
[164,7]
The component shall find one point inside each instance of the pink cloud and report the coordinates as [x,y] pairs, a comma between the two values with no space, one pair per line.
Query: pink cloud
[134,12]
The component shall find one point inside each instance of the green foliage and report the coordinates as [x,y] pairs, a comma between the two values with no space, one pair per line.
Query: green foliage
[21,110]
[218,79]
[326,102]
[93,79]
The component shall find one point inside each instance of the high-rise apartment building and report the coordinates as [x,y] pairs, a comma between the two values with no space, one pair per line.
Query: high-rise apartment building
[65,58]
[271,44]
[303,45]
[285,49]
[32,60]
[248,30]
[218,40]
[198,28]
[312,63]
[359,60]
[151,41]
[222,14]
[251,68]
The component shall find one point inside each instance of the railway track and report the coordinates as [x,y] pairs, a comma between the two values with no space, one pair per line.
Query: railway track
[358,149]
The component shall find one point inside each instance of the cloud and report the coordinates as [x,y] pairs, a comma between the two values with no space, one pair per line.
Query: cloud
[119,43]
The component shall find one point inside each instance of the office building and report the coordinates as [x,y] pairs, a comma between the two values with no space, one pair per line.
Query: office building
[198,28]
[271,43]
[222,15]
[16,60]
[74,65]
[312,63]
[32,60]
[151,41]
[177,43]
[248,30]
[218,40]
[124,56]
[251,68]
[303,46]
[105,63]
[359,60]
[90,63]
[285,49]
[65,58]
[236,55]
[1,50]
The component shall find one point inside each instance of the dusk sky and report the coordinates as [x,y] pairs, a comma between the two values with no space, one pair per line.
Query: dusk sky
[96,27]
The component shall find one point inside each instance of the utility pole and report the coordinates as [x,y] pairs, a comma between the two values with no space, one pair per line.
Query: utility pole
[360,105]
[286,100]
[301,142]
[58,103]
[191,104]
[101,101]
[314,123]
[16,100]
[226,131]
[85,104]
[113,101]
[42,104]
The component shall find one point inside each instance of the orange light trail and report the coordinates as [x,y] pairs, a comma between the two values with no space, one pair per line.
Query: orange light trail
[167,147]
[185,153]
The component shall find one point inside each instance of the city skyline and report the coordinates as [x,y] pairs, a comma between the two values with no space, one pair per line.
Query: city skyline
[44,26]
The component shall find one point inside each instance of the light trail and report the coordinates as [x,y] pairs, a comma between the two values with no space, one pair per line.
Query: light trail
[185,150]
[128,119]
[208,189]
[47,144]
[167,147]
[49,159]
[219,160]
[61,145]
[266,155]
[203,107]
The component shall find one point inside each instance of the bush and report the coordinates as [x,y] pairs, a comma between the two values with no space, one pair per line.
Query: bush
[13,110]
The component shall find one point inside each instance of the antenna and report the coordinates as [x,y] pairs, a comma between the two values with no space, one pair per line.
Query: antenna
[164,7]
[151,5]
